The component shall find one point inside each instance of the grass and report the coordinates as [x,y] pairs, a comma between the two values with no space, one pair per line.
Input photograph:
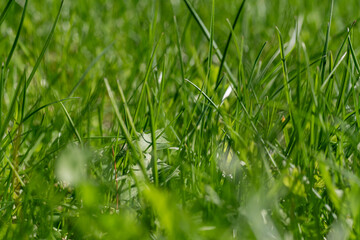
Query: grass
[182,119]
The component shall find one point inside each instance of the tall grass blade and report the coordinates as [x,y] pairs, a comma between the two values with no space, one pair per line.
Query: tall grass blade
[218,78]
[46,45]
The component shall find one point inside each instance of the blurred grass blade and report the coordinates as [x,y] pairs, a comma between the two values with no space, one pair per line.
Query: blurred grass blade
[17,35]
[71,123]
[178,43]
[5,11]
[15,171]
[284,68]
[211,42]
[255,63]
[148,71]
[91,65]
[11,110]
[47,42]
[2,91]
[28,115]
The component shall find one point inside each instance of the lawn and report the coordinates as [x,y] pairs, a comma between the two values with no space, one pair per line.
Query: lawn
[179,119]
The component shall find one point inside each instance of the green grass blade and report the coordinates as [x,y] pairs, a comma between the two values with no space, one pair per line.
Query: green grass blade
[332,72]
[136,150]
[30,114]
[153,138]
[285,71]
[15,171]
[255,63]
[5,11]
[207,35]
[354,55]
[179,49]
[149,67]
[218,78]
[2,90]
[91,65]
[11,110]
[211,42]
[127,110]
[204,94]
[323,61]
[46,45]
[17,35]
[72,124]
